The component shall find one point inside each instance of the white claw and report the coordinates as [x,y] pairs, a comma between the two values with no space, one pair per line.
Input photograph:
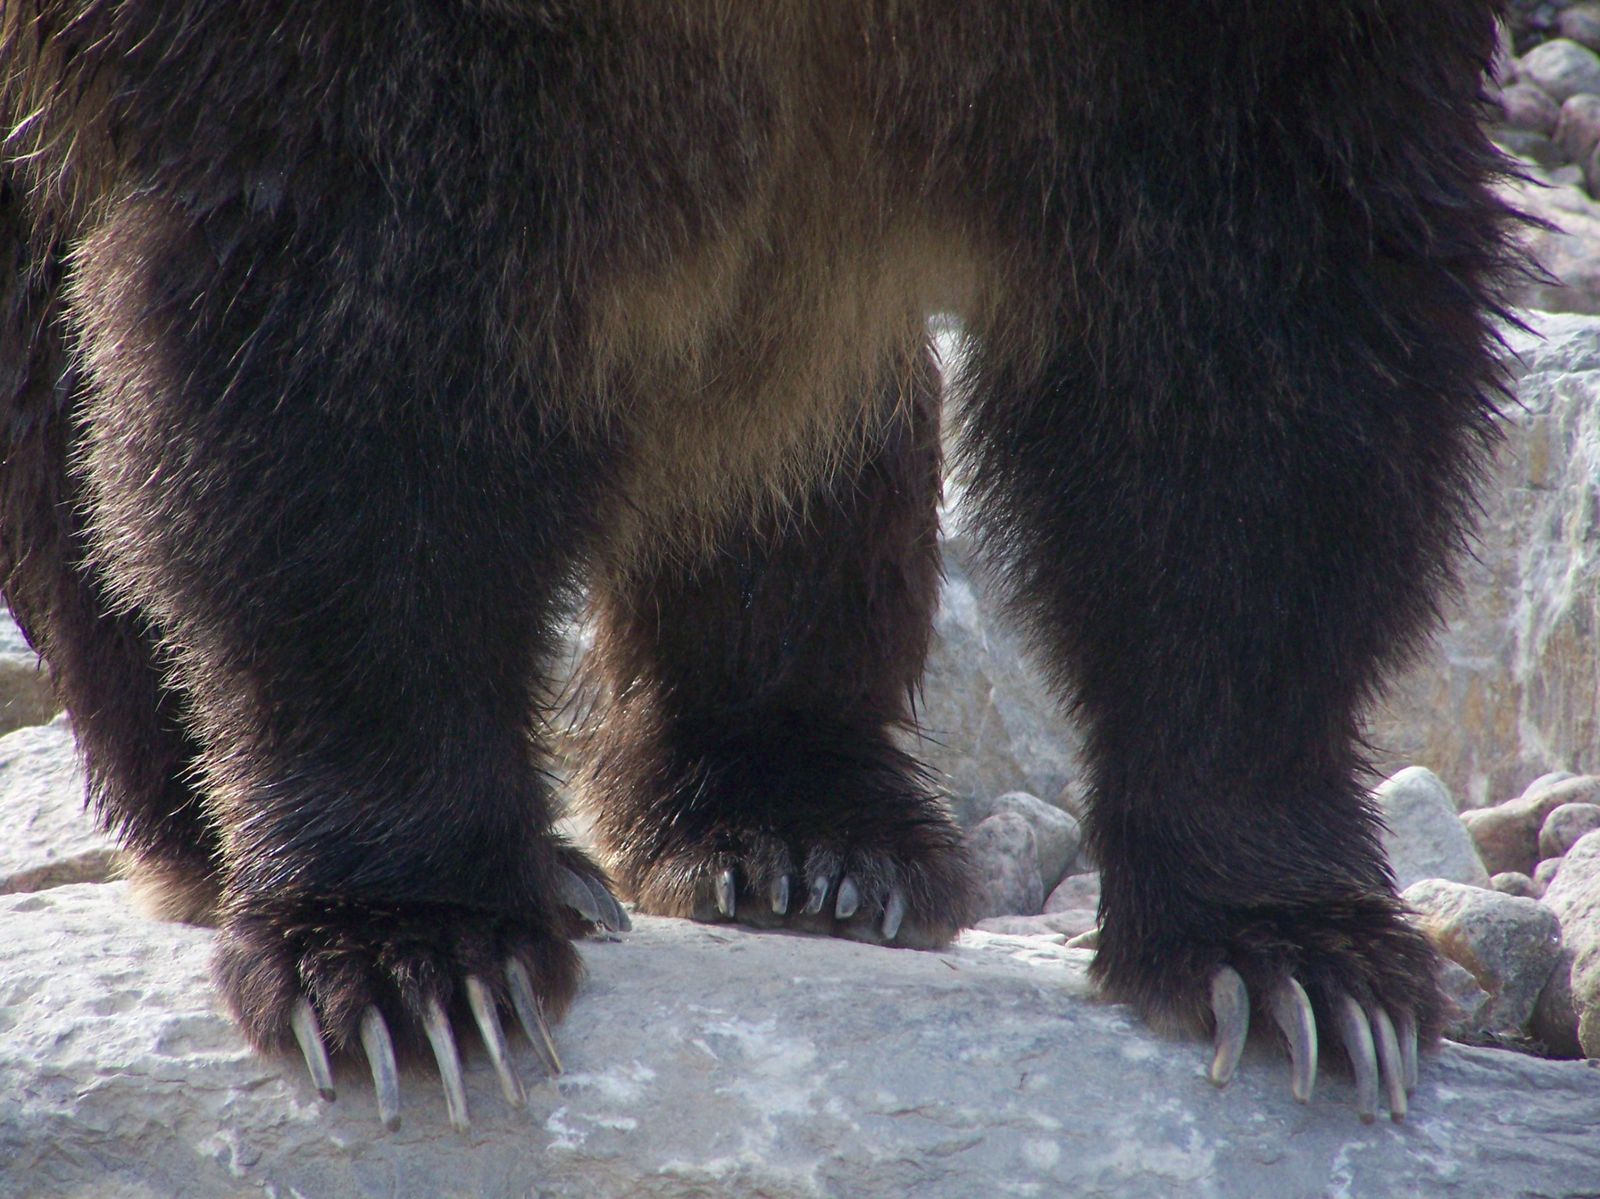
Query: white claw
[1391,1063]
[1406,1029]
[1357,1037]
[780,895]
[1291,1012]
[894,913]
[379,1048]
[577,896]
[484,1011]
[437,1026]
[530,1014]
[848,900]
[1230,1005]
[727,893]
[309,1033]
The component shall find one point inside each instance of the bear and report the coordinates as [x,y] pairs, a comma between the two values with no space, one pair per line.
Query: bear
[347,348]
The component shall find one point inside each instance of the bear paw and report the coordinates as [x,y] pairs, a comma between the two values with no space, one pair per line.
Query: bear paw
[1348,973]
[331,971]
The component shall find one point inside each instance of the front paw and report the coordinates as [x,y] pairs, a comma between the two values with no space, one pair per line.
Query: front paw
[328,972]
[1349,972]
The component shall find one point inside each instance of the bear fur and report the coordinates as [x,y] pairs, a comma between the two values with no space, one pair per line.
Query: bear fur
[343,345]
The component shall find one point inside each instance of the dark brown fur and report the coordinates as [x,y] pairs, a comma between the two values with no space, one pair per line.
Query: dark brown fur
[345,341]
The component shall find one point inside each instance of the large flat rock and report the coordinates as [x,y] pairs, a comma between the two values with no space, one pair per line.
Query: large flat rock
[708,1061]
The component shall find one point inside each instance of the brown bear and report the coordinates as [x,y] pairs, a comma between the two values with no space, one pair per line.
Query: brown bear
[342,345]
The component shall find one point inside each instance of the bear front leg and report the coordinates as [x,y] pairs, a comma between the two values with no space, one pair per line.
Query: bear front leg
[1228,499]
[318,489]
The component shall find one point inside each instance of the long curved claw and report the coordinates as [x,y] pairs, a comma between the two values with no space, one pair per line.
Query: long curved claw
[485,1013]
[308,1032]
[1390,1062]
[1291,1012]
[779,895]
[727,893]
[1230,1005]
[849,899]
[818,896]
[894,913]
[437,1026]
[531,1015]
[1357,1037]
[612,917]
[380,1056]
[575,893]
[1406,1029]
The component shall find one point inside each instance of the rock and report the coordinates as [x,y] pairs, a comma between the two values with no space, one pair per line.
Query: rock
[1078,891]
[1523,106]
[1512,883]
[1059,925]
[49,839]
[1424,837]
[1555,1020]
[1468,1000]
[1544,874]
[1562,68]
[1056,834]
[1508,690]
[1510,944]
[1548,780]
[1536,148]
[713,1061]
[1581,24]
[991,724]
[1578,129]
[1007,865]
[1507,836]
[1574,896]
[1564,825]
[1566,250]
[25,695]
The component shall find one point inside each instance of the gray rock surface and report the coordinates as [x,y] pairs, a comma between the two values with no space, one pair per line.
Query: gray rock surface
[1006,864]
[1574,896]
[1578,129]
[1562,68]
[1056,835]
[1424,837]
[713,1062]
[48,838]
[1512,883]
[1565,825]
[1507,835]
[989,724]
[25,695]
[1509,689]
[1510,944]
[1525,106]
[1555,1017]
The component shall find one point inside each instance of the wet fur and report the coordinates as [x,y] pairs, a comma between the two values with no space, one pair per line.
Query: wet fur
[346,341]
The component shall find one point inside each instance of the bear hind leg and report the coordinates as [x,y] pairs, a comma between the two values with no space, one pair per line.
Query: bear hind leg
[747,766]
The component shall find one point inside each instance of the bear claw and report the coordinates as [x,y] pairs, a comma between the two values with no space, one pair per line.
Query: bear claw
[1382,1050]
[379,1047]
